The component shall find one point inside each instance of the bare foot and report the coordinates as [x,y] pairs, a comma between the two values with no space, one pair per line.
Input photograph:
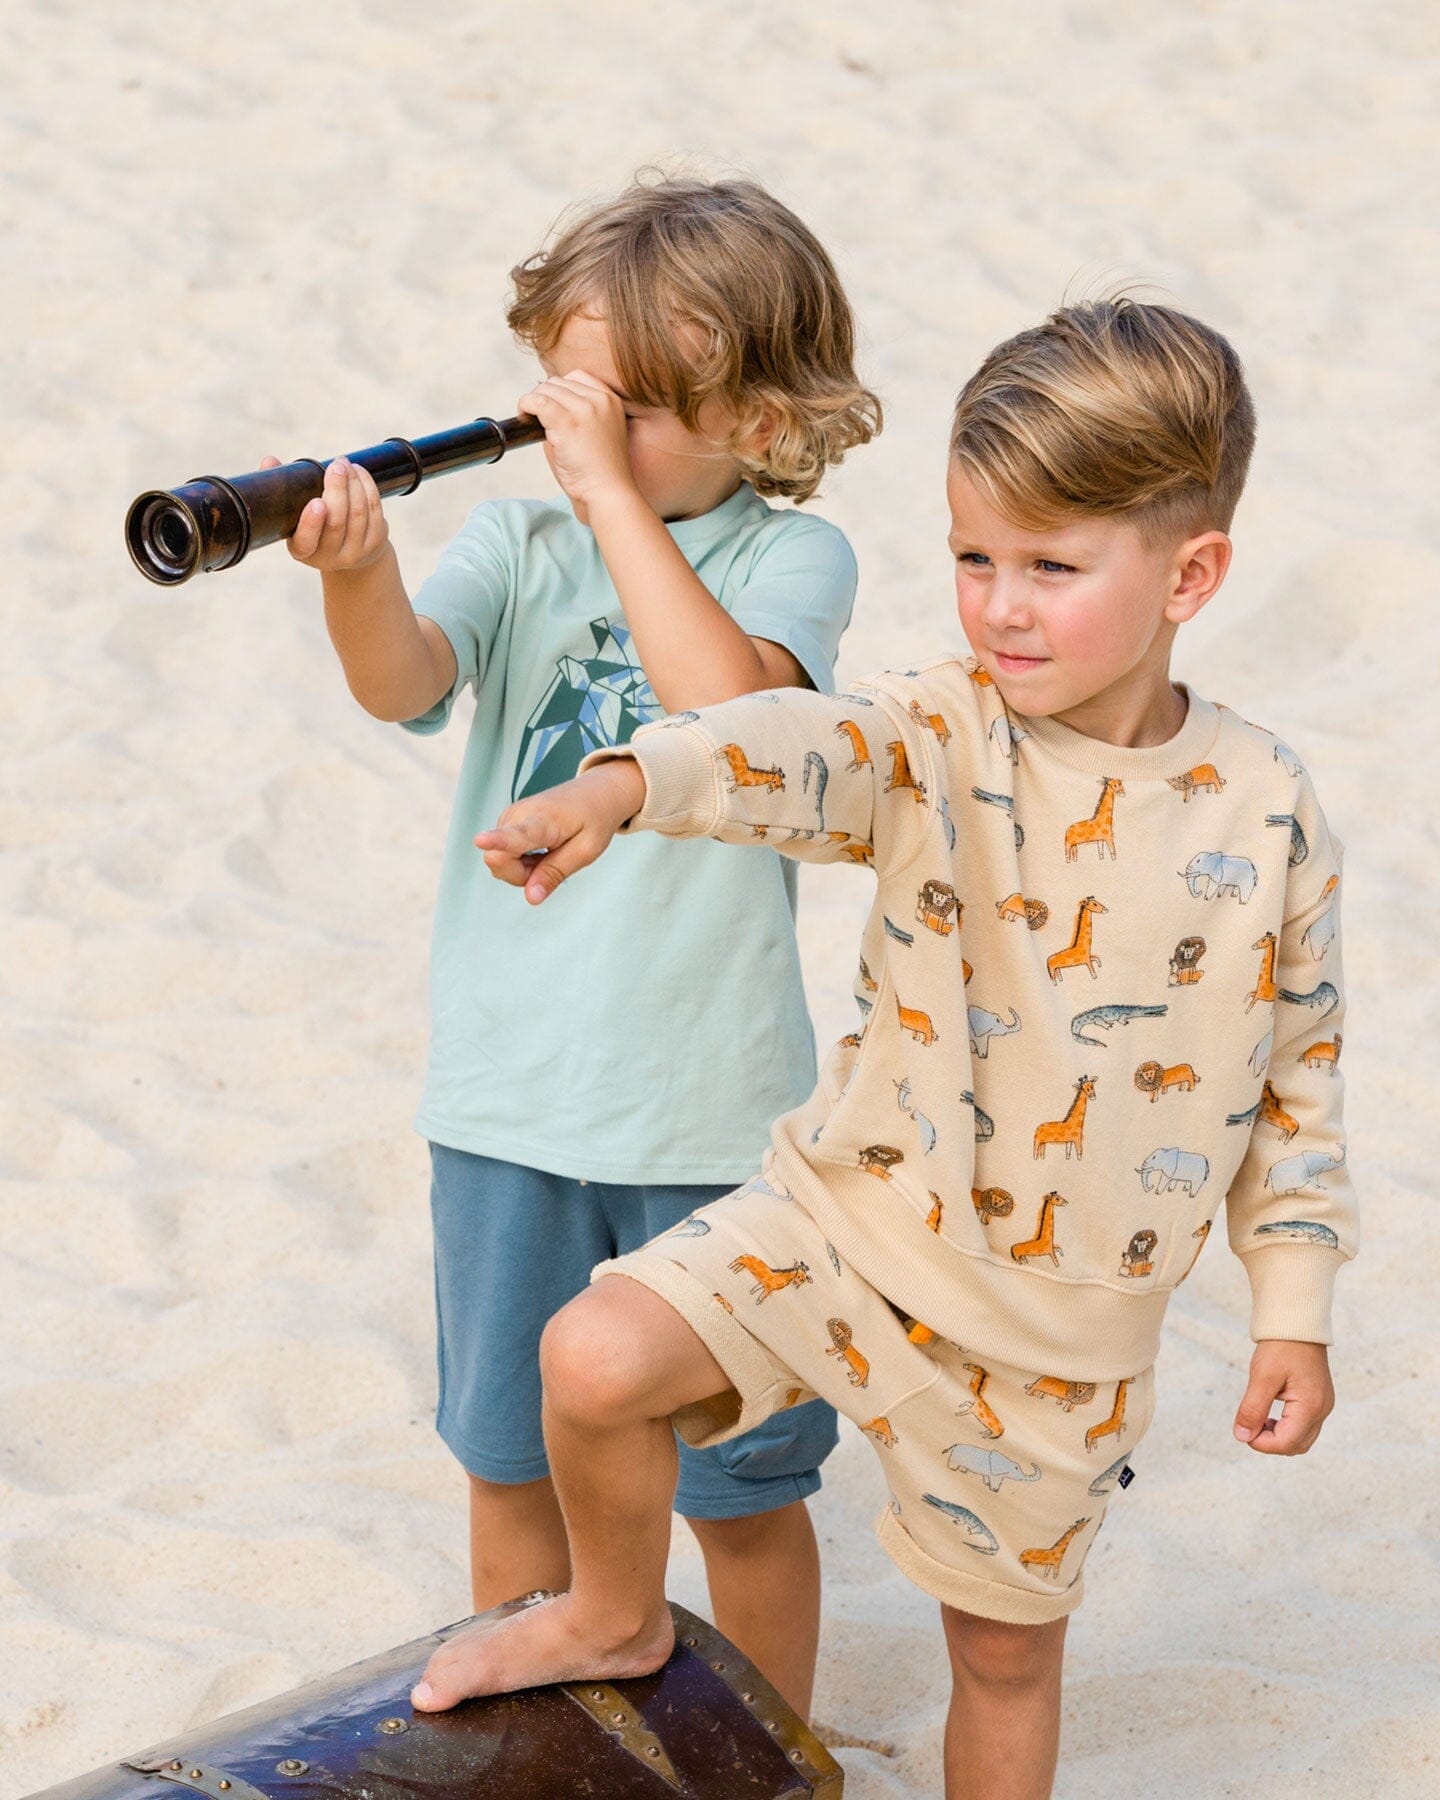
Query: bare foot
[552,1641]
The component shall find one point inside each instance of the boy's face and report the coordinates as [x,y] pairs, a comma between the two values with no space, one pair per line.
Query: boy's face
[681,473]
[1076,619]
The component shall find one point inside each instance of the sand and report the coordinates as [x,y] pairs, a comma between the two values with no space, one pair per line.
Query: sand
[228,231]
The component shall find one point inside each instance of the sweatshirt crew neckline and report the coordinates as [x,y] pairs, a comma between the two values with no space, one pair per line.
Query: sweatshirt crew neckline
[1093,756]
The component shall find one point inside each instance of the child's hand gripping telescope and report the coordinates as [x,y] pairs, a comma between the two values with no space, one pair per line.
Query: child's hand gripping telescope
[212,523]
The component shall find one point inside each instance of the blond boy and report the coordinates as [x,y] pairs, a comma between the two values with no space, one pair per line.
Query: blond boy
[1100,994]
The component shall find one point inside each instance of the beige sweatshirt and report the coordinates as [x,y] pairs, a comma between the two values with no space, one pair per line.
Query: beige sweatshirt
[1099,991]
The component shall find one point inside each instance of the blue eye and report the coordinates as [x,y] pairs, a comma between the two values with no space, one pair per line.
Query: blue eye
[975,557]
[1055,568]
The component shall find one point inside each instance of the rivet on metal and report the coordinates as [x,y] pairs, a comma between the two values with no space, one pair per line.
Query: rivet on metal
[719,1668]
[222,1784]
[619,1718]
[292,1765]
[392,1727]
[652,1751]
[690,1643]
[597,1693]
[797,1756]
[770,1725]
[194,1774]
[749,1699]
[176,1765]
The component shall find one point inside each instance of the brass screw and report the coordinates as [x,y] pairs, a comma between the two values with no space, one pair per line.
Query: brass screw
[770,1725]
[748,1699]
[690,1643]
[392,1727]
[597,1693]
[719,1668]
[797,1756]
[653,1750]
[292,1765]
[619,1718]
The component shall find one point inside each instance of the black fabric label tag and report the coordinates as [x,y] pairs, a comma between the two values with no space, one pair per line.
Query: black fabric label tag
[1127,1475]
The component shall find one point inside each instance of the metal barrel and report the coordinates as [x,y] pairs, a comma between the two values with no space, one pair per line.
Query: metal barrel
[214,521]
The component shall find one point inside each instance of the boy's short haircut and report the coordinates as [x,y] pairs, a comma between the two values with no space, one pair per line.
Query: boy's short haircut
[1111,407]
[712,289]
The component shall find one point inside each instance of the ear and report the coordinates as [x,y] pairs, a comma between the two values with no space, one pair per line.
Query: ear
[1199,567]
[756,440]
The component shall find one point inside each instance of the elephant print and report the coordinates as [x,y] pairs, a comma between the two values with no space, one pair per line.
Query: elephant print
[1211,875]
[985,1025]
[922,1124]
[1292,1174]
[1173,1167]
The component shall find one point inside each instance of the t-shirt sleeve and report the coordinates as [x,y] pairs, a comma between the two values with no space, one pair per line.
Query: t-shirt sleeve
[799,594]
[466,597]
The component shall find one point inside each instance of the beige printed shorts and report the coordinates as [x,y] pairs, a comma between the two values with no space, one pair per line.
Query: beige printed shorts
[999,1477]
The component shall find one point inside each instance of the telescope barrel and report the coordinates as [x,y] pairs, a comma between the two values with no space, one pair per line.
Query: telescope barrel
[212,522]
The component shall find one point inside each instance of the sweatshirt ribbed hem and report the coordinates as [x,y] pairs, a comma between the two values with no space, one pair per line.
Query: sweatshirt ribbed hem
[1291,1290]
[1077,1330]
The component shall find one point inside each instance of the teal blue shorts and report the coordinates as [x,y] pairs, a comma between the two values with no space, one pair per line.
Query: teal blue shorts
[512,1246]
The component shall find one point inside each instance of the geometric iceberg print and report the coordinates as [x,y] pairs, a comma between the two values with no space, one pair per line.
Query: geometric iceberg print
[593,701]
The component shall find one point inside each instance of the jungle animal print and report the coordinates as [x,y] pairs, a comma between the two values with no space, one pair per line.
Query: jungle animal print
[999,970]
[991,1468]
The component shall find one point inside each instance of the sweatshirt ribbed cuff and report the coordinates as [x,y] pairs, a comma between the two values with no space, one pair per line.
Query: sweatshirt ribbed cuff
[1291,1288]
[682,797]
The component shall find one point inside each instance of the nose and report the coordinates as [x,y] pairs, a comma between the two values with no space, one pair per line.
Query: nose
[1007,604]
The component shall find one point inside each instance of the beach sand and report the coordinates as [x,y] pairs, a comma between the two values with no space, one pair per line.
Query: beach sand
[229,231]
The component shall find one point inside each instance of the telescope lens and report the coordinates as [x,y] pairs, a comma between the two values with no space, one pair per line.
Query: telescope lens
[168,539]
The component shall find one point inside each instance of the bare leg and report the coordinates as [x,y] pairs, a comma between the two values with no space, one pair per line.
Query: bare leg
[764,1576]
[517,1541]
[617,1361]
[1002,1738]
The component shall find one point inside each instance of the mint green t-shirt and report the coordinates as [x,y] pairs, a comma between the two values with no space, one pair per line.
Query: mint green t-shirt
[648,1022]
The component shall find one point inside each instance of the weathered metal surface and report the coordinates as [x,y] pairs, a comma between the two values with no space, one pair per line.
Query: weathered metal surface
[706,1726]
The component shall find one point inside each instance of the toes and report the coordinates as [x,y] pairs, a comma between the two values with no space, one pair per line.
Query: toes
[438,1688]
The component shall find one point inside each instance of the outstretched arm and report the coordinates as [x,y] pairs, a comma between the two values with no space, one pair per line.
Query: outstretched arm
[397,664]
[819,777]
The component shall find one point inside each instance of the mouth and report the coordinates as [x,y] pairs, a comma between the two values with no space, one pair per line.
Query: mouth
[1016,665]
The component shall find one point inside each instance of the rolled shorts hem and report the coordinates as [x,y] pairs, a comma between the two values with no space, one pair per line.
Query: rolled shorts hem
[746,1363]
[741,1499]
[748,1499]
[725,1497]
[971,1593]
